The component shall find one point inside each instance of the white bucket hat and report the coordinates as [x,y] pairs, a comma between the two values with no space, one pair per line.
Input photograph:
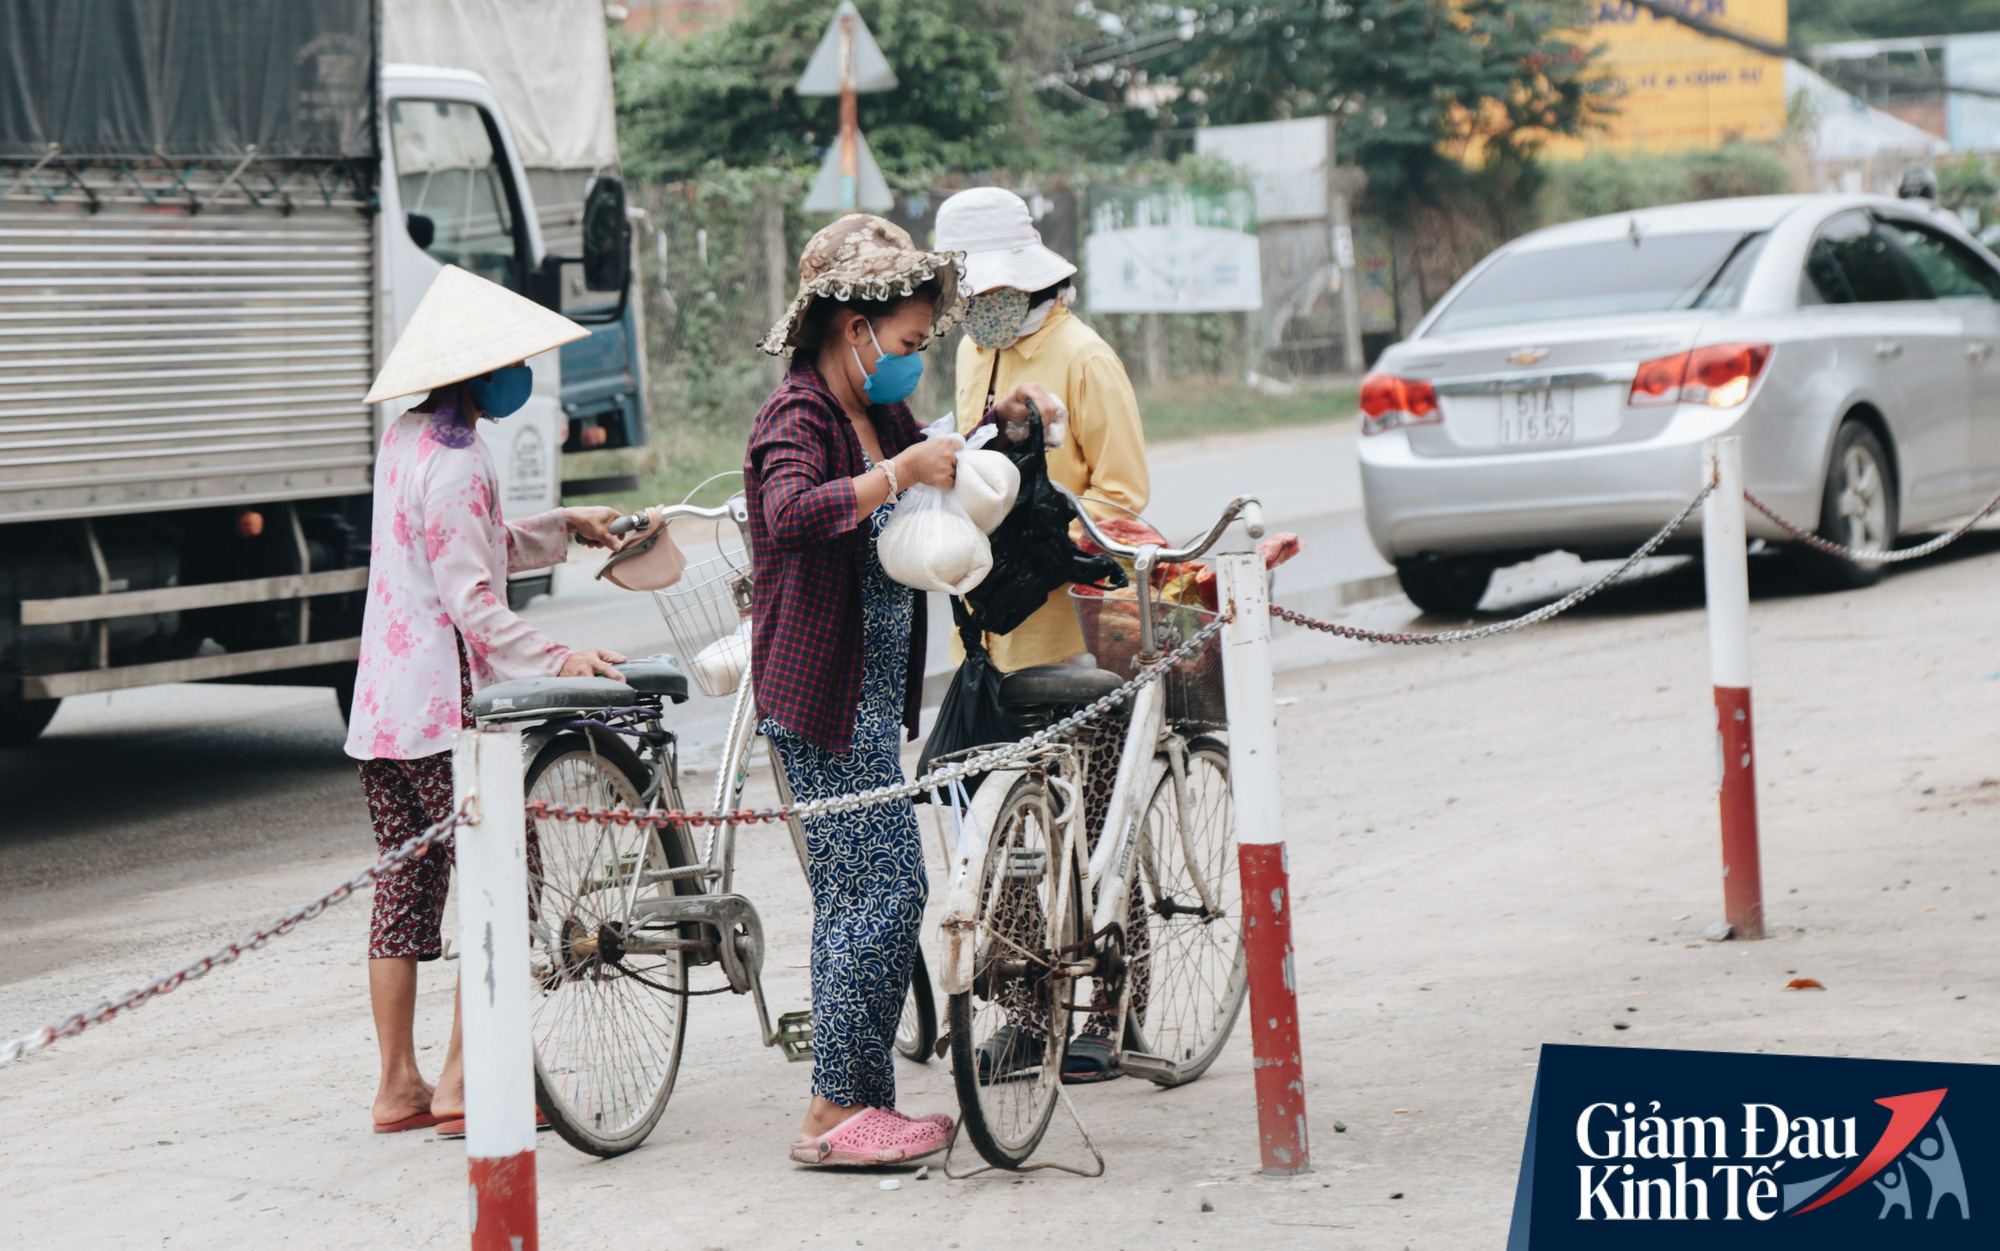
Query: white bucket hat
[995,230]
[464,327]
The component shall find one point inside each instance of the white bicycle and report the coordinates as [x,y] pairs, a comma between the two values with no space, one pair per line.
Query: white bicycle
[1163,940]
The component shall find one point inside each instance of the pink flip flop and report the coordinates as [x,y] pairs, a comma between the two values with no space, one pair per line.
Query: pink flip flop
[875,1136]
[422,1120]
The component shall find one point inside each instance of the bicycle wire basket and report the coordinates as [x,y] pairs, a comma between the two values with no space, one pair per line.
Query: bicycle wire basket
[708,614]
[1110,627]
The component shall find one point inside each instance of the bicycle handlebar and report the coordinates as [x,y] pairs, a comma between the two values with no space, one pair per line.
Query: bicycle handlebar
[637,523]
[1244,506]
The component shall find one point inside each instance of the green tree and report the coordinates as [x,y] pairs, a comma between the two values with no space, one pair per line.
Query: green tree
[1824,21]
[726,95]
[1419,85]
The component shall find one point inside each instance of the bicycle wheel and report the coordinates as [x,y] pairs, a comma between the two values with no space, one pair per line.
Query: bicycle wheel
[607,1023]
[916,1033]
[1189,975]
[1009,1032]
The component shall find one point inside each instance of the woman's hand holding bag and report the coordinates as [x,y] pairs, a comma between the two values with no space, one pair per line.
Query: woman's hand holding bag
[931,542]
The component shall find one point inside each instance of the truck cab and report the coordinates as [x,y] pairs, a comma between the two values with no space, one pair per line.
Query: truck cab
[453,193]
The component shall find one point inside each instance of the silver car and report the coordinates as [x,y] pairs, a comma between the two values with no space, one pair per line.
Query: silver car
[1557,397]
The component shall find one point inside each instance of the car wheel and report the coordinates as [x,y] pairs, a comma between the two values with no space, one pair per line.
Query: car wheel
[1445,586]
[1857,509]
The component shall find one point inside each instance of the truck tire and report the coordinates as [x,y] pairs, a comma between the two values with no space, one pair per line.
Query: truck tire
[1445,586]
[21,720]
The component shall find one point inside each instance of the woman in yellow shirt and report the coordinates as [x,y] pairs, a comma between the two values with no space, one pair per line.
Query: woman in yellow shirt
[1020,337]
[1021,334]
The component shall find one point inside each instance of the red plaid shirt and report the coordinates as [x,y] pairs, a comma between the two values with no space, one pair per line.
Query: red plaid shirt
[808,545]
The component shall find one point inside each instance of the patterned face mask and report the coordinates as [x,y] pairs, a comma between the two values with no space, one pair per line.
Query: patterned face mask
[993,318]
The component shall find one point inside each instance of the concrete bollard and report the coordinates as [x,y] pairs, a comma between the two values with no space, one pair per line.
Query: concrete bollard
[1260,840]
[1726,568]
[492,865]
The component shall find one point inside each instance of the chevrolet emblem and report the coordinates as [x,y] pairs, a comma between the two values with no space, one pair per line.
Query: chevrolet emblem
[1528,355]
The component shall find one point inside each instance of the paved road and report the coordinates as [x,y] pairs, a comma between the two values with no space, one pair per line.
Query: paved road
[1492,847]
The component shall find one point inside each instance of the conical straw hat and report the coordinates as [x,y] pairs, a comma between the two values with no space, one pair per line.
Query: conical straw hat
[464,327]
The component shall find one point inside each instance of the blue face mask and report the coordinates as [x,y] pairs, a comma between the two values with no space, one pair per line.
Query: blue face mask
[502,391]
[894,377]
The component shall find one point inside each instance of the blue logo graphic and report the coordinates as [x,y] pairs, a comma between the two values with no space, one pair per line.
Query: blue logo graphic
[1638,1148]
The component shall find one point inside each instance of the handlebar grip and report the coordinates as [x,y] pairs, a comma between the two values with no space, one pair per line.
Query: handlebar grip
[1253,519]
[627,524]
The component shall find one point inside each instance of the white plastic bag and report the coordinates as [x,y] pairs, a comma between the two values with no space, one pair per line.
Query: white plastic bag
[720,665]
[986,486]
[930,542]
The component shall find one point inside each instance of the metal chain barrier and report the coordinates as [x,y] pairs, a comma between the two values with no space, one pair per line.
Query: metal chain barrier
[1536,617]
[983,762]
[13,1049]
[69,1027]
[1862,555]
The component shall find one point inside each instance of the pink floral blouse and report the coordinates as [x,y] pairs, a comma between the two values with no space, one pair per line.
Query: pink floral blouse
[438,568]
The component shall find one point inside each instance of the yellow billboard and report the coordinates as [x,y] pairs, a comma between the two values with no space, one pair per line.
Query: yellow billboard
[1677,89]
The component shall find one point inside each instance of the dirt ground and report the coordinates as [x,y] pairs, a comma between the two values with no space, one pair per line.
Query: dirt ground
[1492,847]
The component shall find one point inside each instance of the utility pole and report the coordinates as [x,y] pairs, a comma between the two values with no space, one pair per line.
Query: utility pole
[849,116]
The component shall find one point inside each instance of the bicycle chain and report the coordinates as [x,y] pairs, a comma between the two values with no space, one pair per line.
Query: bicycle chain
[998,757]
[70,1027]
[1863,555]
[1536,617]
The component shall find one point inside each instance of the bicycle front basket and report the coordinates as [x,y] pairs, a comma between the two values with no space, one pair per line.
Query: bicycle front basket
[708,613]
[1110,625]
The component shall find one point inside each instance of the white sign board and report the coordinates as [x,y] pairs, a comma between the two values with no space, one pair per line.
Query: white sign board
[1172,269]
[1285,161]
[871,190]
[870,68]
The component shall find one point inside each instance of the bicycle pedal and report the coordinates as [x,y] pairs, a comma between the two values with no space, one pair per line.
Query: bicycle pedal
[1025,864]
[795,1035]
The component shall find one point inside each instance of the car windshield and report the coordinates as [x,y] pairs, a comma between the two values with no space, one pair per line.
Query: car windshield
[1646,274]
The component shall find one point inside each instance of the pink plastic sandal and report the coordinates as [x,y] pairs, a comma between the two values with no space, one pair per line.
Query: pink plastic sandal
[875,1136]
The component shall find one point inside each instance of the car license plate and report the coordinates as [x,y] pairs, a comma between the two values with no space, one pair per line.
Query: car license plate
[1536,417]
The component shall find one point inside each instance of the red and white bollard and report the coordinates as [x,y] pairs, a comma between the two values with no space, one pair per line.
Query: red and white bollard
[1260,841]
[492,864]
[1726,566]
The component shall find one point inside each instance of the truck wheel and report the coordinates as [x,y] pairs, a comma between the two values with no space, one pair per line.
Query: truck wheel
[1445,586]
[22,719]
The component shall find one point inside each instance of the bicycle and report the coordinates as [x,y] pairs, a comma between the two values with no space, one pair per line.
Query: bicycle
[619,913]
[1019,933]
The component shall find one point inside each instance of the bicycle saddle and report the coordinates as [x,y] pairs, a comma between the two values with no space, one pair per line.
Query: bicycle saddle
[536,698]
[1040,685]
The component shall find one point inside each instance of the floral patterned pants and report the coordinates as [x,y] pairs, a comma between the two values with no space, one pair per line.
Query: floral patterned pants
[406,797]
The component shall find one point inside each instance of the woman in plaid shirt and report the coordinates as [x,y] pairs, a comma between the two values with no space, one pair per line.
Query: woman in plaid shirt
[837,649]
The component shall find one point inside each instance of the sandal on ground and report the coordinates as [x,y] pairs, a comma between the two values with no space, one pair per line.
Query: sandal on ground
[1010,1051]
[455,1127]
[422,1120]
[1088,1060]
[873,1136]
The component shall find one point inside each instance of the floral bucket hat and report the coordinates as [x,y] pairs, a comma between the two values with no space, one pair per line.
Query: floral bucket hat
[863,257]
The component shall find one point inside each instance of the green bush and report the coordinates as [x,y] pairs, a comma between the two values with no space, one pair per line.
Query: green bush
[1605,183]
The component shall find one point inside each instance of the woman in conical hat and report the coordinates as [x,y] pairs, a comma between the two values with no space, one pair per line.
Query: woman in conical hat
[838,649]
[437,628]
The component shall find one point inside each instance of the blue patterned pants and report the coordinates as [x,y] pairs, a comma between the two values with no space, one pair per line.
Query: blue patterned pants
[866,870]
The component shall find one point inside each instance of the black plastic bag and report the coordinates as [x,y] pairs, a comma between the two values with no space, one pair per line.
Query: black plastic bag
[1032,551]
[971,715]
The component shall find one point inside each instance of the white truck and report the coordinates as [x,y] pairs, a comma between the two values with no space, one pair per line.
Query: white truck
[211,232]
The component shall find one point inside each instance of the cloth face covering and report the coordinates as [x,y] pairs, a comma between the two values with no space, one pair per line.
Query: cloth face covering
[503,391]
[894,377]
[993,319]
